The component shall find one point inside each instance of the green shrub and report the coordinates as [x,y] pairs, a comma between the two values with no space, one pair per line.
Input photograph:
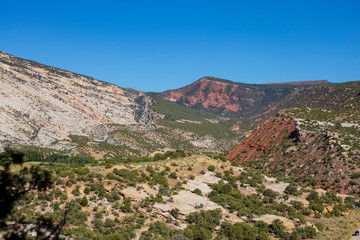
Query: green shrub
[173,175]
[277,227]
[205,219]
[174,212]
[270,193]
[87,190]
[76,191]
[320,226]
[109,223]
[197,191]
[291,189]
[316,207]
[211,168]
[84,201]
[126,206]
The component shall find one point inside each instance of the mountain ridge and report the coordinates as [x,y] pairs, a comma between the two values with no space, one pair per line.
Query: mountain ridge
[306,82]
[231,98]
[53,108]
[39,97]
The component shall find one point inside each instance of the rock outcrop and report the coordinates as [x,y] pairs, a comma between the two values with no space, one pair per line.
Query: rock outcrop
[227,97]
[43,106]
[308,145]
[270,134]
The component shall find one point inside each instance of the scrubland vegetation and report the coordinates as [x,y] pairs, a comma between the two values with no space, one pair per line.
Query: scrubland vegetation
[129,198]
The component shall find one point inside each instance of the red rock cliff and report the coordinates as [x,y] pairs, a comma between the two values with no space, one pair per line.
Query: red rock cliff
[272,132]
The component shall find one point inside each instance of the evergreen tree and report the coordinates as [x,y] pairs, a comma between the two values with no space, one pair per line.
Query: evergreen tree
[84,202]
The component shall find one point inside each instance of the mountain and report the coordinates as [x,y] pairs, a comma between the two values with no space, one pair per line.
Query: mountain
[338,103]
[239,99]
[114,175]
[46,109]
[45,106]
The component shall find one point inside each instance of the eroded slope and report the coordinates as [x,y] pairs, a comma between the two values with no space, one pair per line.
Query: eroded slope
[316,146]
[43,106]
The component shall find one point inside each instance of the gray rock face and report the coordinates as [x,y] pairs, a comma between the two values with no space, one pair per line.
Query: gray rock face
[43,106]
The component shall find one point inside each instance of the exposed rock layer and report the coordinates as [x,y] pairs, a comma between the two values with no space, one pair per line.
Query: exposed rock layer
[223,96]
[43,106]
[271,133]
[309,149]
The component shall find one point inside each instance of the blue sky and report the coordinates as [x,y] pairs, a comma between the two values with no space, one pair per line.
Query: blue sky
[160,45]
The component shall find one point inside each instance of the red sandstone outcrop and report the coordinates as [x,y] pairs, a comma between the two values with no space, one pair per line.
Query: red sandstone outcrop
[223,96]
[271,133]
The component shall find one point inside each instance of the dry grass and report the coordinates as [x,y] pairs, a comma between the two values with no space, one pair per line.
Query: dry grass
[16,168]
[339,228]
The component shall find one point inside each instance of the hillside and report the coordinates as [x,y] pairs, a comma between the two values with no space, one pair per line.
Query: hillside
[181,196]
[44,106]
[316,146]
[45,110]
[237,99]
[340,97]
[115,173]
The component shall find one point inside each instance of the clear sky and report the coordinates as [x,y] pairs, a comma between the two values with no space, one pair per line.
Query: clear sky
[159,45]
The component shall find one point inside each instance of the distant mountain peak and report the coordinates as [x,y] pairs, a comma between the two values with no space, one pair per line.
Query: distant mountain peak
[212,78]
[228,97]
[215,80]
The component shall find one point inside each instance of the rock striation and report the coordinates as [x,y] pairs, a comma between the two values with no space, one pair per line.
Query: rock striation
[232,98]
[270,134]
[43,106]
